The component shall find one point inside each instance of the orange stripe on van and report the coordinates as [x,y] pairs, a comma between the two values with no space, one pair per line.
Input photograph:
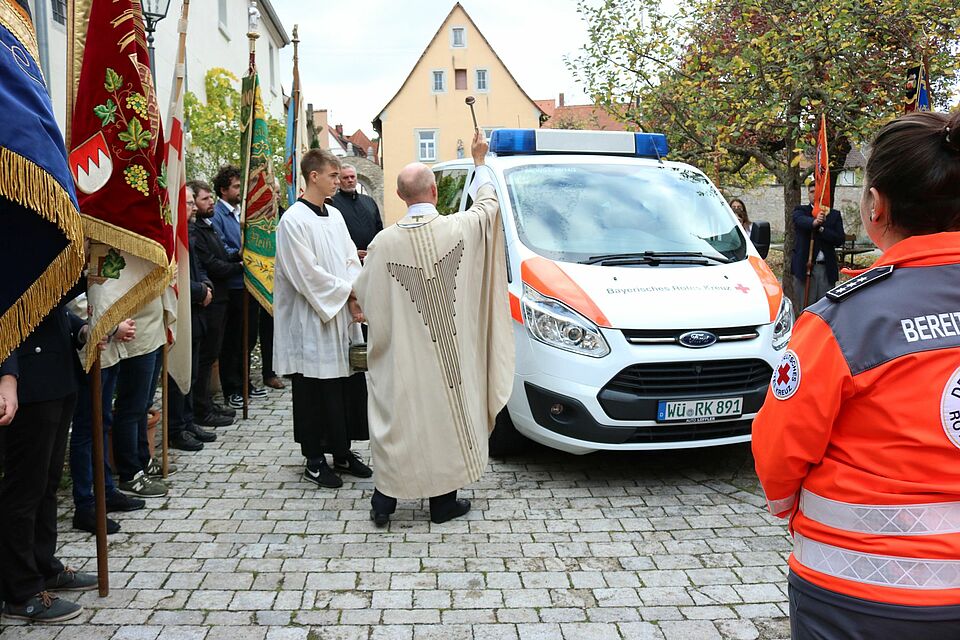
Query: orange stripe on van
[771,286]
[515,308]
[550,280]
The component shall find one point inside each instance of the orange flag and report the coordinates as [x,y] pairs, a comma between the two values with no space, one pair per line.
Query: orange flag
[821,171]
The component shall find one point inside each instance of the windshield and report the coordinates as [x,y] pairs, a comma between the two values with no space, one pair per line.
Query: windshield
[576,212]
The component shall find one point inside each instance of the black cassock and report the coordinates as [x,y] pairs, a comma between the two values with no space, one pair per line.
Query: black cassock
[328,414]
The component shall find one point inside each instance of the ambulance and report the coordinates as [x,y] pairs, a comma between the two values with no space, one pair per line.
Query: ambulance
[644,318]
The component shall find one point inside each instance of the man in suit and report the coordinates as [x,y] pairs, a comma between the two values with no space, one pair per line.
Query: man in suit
[38,387]
[226,220]
[826,229]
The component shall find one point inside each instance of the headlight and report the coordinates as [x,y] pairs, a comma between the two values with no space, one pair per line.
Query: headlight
[554,323]
[783,327]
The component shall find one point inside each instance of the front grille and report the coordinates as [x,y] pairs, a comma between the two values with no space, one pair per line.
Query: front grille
[672,336]
[667,380]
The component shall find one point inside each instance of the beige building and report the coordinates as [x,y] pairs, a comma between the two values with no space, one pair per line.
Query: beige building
[427,119]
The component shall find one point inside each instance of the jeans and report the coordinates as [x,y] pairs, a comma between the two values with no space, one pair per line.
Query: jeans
[136,384]
[81,439]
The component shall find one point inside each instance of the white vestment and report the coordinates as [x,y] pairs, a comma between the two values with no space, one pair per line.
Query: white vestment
[315,269]
[440,347]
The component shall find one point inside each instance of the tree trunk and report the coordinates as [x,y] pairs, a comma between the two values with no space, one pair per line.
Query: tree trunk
[791,198]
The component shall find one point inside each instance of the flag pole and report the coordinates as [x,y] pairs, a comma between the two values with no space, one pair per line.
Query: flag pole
[96,394]
[252,36]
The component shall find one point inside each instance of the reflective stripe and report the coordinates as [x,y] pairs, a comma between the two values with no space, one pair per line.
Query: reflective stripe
[886,571]
[891,520]
[784,504]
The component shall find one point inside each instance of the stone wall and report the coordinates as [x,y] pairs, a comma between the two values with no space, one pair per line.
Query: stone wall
[766,203]
[370,177]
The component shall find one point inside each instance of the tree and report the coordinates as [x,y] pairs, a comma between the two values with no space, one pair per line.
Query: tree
[214,127]
[739,85]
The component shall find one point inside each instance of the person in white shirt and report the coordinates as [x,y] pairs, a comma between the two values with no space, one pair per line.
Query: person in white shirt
[315,312]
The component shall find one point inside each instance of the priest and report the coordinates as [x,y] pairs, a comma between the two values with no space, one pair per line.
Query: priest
[314,316]
[440,349]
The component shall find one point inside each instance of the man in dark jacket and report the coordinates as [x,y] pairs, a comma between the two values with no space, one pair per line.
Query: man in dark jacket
[827,231]
[359,211]
[185,434]
[220,267]
[36,416]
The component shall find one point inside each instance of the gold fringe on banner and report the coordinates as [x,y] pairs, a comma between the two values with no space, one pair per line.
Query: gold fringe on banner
[147,290]
[125,240]
[28,185]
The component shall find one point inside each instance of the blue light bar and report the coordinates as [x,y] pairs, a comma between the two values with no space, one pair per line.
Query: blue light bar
[508,142]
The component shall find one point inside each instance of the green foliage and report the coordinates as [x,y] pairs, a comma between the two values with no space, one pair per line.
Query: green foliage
[738,86]
[113,264]
[113,81]
[135,136]
[107,112]
[214,128]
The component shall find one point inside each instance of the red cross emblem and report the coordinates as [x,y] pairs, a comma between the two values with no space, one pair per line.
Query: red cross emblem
[742,288]
[783,374]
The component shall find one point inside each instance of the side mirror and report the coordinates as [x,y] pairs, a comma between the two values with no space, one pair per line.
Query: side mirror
[760,236]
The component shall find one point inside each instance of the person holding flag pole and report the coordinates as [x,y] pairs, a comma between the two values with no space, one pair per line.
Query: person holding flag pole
[258,214]
[819,231]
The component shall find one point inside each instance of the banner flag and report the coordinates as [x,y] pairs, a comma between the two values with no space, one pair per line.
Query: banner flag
[298,142]
[118,164]
[917,89]
[41,247]
[821,171]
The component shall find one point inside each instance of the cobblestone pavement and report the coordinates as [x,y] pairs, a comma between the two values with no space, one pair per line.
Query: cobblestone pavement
[671,545]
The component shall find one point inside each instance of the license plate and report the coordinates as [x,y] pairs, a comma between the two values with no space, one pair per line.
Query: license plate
[706,410]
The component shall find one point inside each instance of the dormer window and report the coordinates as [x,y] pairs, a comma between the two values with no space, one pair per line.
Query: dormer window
[458,37]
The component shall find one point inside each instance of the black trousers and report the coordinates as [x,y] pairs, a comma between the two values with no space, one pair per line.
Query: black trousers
[231,353]
[266,345]
[328,414]
[36,444]
[819,614]
[439,505]
[180,405]
[215,315]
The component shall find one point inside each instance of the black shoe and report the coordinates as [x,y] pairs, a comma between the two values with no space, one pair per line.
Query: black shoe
[117,501]
[379,519]
[86,520]
[353,466]
[322,477]
[257,392]
[223,411]
[185,441]
[200,433]
[460,509]
[71,580]
[213,420]
[44,608]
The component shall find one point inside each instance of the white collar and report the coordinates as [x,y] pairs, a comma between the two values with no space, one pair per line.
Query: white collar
[421,209]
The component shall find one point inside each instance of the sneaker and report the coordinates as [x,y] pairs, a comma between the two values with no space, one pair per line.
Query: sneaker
[155,468]
[461,507]
[143,486]
[185,441]
[257,392]
[43,608]
[235,400]
[200,433]
[71,580]
[353,466]
[223,411]
[322,477]
[274,383]
[117,501]
[86,520]
[214,420]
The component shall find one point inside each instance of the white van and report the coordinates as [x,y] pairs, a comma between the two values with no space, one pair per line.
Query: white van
[644,317]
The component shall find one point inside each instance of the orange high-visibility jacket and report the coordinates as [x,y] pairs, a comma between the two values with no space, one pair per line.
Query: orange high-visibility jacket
[858,440]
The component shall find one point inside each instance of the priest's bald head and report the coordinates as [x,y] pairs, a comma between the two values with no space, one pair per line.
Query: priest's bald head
[416,185]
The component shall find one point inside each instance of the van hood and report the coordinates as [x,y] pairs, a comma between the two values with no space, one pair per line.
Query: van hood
[688,297]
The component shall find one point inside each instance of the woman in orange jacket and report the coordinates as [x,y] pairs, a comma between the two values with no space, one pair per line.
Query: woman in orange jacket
[858,442]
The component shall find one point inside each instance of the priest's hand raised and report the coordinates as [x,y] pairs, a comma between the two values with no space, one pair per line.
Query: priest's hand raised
[479,148]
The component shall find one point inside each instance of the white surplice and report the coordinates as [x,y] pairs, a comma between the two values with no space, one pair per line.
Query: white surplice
[316,265]
[440,346]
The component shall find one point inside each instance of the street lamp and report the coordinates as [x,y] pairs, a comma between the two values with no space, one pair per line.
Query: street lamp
[153,12]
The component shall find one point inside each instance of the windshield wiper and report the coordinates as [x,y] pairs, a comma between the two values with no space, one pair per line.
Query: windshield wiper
[654,258]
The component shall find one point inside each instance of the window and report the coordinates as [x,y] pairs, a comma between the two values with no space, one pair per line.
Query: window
[458,37]
[460,79]
[222,14]
[273,74]
[482,84]
[439,81]
[59,11]
[427,145]
[450,184]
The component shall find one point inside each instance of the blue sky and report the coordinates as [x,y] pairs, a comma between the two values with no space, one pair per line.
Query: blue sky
[355,55]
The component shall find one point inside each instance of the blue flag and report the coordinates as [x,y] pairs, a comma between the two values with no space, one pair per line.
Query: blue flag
[41,247]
